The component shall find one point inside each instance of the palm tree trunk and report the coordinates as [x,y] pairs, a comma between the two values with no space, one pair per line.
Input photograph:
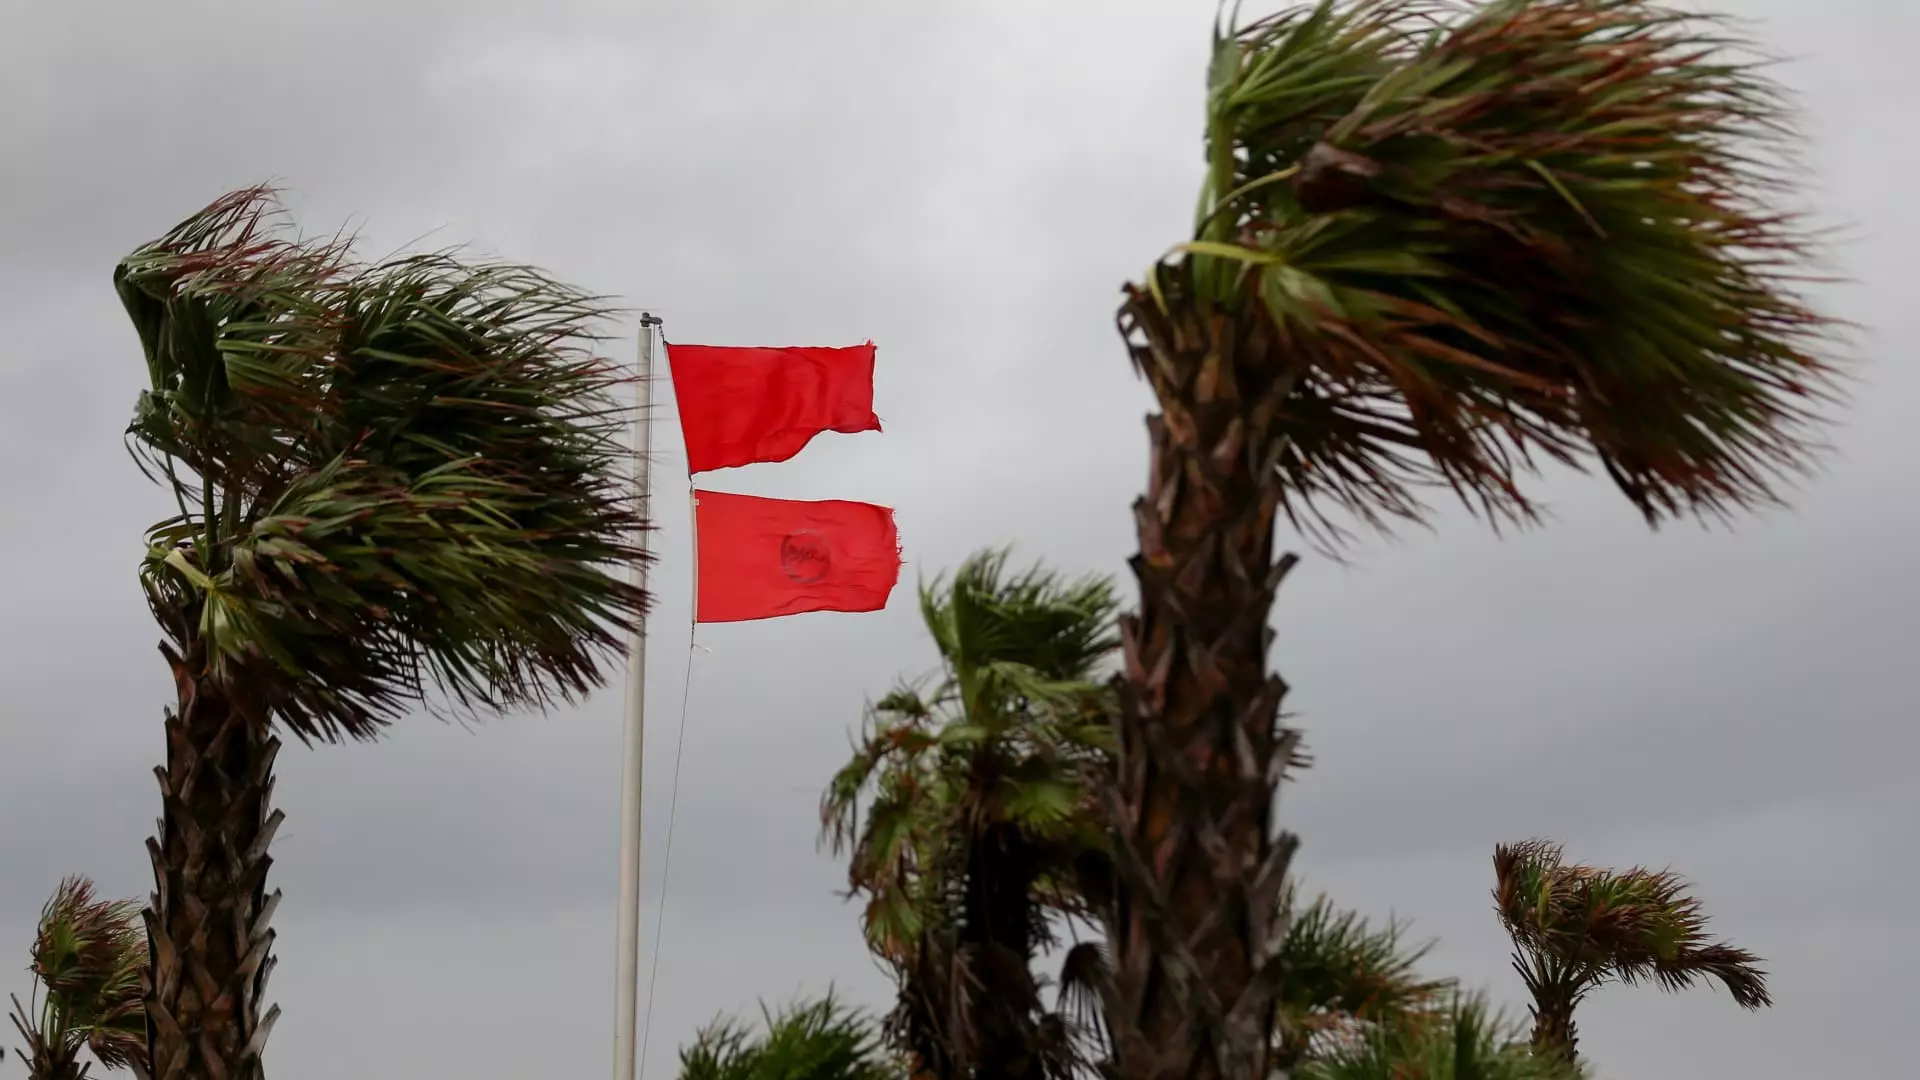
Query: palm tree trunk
[918,1022]
[62,1068]
[1553,1031]
[998,932]
[51,1065]
[1201,748]
[49,1057]
[208,927]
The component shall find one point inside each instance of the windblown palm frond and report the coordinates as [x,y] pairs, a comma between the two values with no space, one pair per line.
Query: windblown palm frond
[1577,927]
[1344,977]
[1464,1039]
[390,477]
[823,1039]
[89,960]
[1483,232]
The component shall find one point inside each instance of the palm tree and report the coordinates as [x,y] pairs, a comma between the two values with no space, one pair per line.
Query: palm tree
[966,810]
[1436,245]
[822,1039]
[1346,978]
[1463,1039]
[393,480]
[89,960]
[1576,928]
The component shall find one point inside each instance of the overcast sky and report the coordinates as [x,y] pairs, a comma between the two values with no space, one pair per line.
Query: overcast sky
[968,184]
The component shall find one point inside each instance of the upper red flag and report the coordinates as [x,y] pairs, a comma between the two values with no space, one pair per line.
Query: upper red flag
[762,558]
[739,406]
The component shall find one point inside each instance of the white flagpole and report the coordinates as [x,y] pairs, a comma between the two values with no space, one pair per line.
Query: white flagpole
[626,990]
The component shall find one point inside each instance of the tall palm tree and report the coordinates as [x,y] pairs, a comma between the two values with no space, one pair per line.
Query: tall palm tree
[967,807]
[1437,243]
[394,481]
[89,960]
[1576,928]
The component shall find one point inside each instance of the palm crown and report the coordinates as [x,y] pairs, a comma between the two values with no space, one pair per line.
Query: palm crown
[1538,226]
[1008,731]
[388,476]
[89,960]
[1577,927]
[822,1039]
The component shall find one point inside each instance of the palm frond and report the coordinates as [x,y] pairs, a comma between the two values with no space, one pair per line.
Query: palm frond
[1344,976]
[1496,234]
[1085,979]
[822,1039]
[391,478]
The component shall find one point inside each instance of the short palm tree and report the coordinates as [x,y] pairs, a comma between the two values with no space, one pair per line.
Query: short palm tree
[393,480]
[822,1039]
[1576,928]
[1345,978]
[967,809]
[1461,1039]
[89,961]
[1437,243]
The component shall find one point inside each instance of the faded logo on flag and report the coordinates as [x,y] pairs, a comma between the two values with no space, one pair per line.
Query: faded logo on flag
[803,558]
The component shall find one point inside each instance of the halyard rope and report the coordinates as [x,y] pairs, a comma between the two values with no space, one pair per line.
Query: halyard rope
[673,801]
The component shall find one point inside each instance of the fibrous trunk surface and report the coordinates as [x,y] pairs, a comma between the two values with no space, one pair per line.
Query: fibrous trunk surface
[208,925]
[1201,747]
[47,1058]
[1553,1031]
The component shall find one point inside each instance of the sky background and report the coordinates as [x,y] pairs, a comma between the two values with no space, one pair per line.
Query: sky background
[967,184]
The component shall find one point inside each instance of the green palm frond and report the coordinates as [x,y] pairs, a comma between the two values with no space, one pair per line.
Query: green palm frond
[1010,637]
[1016,695]
[824,1039]
[1489,234]
[391,477]
[1465,1039]
[1344,976]
[89,962]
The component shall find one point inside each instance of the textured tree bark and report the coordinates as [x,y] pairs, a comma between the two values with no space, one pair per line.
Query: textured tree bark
[1553,1030]
[1200,870]
[208,924]
[46,1058]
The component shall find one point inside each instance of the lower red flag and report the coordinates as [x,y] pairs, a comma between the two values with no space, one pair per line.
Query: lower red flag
[763,558]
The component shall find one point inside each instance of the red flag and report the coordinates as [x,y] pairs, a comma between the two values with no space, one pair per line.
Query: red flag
[739,406]
[762,558]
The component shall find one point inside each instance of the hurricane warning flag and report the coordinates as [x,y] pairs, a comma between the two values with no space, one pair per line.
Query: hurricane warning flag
[762,558]
[739,406]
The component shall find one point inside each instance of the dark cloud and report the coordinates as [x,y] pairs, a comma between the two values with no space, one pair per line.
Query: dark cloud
[967,184]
